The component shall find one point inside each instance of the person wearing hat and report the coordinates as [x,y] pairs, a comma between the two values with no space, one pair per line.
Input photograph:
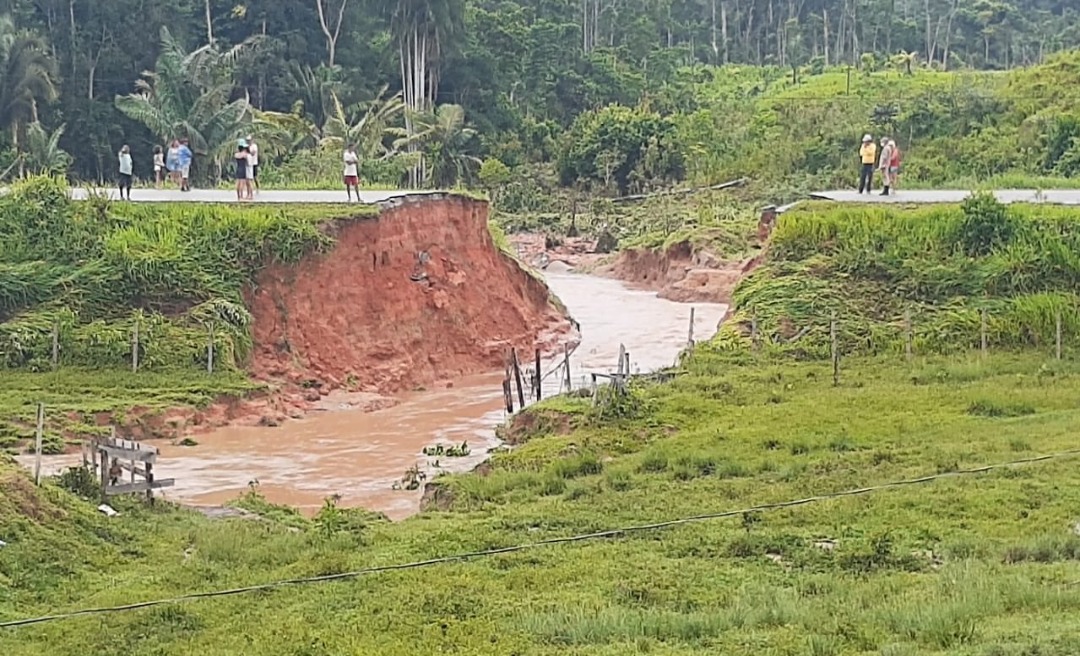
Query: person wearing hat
[888,150]
[868,157]
[253,169]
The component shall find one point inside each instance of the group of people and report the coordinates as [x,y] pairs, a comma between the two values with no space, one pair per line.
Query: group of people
[175,165]
[888,162]
[246,160]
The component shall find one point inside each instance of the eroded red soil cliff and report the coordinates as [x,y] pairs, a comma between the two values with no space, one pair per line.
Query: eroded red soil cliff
[416,295]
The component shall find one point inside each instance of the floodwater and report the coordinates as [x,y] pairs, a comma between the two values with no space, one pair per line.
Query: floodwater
[360,456]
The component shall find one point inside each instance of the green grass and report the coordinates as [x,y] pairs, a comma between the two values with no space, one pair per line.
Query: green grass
[972,565]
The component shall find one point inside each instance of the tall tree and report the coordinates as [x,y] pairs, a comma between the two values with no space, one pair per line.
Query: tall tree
[422,28]
[331,23]
[26,78]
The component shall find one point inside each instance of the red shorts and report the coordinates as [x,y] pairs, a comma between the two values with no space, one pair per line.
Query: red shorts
[352,181]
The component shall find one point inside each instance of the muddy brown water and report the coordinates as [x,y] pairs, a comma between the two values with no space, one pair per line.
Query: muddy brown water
[360,455]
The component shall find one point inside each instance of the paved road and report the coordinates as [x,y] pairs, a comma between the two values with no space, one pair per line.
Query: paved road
[229,196]
[929,196]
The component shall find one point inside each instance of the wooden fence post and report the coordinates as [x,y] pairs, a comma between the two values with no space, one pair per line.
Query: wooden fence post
[835,351]
[38,439]
[517,377]
[909,336]
[755,342]
[983,337]
[1057,343]
[56,344]
[566,365]
[539,379]
[210,348]
[508,394]
[690,336]
[135,347]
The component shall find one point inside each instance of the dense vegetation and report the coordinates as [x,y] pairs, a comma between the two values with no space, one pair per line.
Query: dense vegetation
[943,267]
[609,94]
[972,565]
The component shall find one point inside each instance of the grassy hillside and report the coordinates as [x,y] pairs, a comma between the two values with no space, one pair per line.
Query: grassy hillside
[979,564]
[92,273]
[943,265]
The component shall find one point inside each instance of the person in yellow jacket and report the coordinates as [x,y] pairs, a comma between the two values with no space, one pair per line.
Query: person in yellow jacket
[868,157]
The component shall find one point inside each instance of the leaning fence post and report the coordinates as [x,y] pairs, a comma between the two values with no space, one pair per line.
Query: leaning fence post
[517,377]
[909,336]
[1057,343]
[56,344]
[38,439]
[983,340]
[135,346]
[210,348]
[835,351]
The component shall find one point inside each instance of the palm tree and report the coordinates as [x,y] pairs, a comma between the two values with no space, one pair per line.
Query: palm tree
[315,89]
[188,95]
[444,139]
[43,155]
[370,130]
[421,28]
[26,77]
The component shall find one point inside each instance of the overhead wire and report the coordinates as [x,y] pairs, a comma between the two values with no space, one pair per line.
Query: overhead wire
[487,553]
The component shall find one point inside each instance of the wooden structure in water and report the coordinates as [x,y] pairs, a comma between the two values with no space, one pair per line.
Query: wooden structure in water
[115,460]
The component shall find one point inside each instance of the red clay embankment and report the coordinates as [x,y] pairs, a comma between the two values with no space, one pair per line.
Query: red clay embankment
[416,295]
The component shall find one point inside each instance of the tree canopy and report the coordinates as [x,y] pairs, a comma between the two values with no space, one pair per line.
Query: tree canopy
[518,69]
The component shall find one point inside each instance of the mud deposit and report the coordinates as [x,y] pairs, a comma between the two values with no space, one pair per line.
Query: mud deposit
[360,455]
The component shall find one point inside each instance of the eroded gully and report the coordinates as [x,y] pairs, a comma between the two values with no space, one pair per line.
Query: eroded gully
[359,456]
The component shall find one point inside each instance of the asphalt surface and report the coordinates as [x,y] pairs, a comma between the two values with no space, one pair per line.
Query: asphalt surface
[931,196]
[229,196]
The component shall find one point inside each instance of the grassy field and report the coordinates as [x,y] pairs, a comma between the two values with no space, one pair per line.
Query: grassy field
[981,564]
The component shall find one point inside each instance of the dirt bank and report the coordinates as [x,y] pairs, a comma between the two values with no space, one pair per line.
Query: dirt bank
[417,295]
[681,272]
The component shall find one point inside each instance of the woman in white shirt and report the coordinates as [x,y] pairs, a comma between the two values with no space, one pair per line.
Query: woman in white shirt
[125,171]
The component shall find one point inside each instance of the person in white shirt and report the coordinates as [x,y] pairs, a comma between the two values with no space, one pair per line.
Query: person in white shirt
[253,162]
[352,172]
[125,171]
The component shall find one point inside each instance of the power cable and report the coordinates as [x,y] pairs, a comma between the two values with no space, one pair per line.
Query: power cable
[598,535]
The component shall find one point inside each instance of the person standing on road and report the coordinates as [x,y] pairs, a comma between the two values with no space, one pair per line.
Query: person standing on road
[172,161]
[253,162]
[894,165]
[125,171]
[159,167]
[868,157]
[242,160]
[184,156]
[885,164]
[352,172]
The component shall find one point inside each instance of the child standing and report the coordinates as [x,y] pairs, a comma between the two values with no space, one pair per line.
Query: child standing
[125,172]
[159,167]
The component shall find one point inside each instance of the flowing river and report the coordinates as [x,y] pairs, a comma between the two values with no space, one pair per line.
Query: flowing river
[360,455]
